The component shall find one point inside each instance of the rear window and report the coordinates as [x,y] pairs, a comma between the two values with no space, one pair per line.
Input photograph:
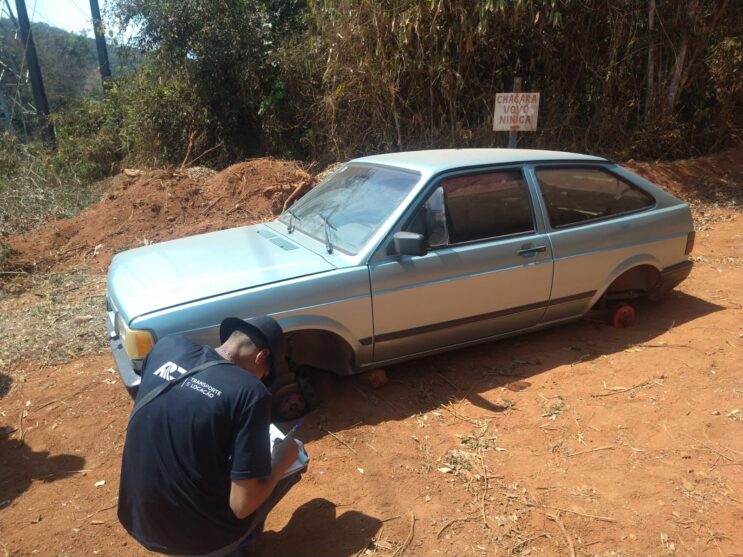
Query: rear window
[576,195]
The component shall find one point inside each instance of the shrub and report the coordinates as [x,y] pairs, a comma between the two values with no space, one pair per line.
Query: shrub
[165,121]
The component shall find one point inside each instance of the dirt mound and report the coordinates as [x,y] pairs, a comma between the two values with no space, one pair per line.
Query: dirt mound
[144,207]
[717,178]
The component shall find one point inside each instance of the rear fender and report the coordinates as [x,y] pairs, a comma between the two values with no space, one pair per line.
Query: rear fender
[636,261]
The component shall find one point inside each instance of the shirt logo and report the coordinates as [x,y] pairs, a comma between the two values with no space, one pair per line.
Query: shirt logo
[167,371]
[203,387]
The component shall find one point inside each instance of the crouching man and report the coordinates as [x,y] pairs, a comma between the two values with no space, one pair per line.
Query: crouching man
[198,475]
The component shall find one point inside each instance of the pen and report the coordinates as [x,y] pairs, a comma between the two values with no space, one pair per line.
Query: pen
[294,429]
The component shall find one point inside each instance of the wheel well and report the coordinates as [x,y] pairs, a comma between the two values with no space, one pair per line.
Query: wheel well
[320,349]
[638,281]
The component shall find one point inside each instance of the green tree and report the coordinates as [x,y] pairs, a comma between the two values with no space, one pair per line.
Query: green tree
[222,49]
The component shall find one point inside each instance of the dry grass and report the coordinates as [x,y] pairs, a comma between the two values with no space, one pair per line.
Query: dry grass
[38,192]
[51,318]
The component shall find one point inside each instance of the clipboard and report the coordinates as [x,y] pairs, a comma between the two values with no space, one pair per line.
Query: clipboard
[299,465]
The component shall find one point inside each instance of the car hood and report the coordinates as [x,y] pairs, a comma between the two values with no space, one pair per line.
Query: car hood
[164,275]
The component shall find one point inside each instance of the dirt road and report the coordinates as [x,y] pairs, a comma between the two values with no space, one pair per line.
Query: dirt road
[580,440]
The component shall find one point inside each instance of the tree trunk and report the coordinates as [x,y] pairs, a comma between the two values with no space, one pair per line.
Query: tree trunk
[678,71]
[679,68]
[650,92]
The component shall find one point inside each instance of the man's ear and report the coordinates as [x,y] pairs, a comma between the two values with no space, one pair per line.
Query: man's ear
[263,357]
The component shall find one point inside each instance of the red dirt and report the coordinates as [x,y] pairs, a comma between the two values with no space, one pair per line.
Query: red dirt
[630,438]
[160,205]
[716,178]
[666,460]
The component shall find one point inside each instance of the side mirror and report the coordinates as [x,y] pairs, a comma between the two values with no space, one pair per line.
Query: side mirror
[409,243]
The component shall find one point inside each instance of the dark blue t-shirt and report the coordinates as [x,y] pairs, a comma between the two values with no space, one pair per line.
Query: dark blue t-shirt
[183,449]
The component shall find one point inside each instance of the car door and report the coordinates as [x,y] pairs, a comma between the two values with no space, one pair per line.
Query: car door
[488,270]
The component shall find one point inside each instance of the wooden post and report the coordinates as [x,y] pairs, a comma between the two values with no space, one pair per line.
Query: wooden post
[513,136]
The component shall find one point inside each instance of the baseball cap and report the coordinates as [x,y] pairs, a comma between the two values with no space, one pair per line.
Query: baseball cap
[264,331]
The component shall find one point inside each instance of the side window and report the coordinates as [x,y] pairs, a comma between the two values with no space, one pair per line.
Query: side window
[488,205]
[574,195]
[475,207]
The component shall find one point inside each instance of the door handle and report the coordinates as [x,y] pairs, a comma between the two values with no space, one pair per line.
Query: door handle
[527,249]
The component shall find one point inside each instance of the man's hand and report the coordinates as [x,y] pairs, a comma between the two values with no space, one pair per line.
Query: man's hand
[284,453]
[247,495]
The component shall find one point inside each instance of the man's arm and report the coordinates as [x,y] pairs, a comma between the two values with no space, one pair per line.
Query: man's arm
[247,495]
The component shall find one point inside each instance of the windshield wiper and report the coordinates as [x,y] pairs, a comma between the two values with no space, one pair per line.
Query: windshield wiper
[290,227]
[328,226]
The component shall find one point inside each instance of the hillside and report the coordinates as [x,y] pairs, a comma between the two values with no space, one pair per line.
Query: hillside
[68,61]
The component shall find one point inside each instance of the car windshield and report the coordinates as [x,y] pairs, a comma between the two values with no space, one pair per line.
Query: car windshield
[346,209]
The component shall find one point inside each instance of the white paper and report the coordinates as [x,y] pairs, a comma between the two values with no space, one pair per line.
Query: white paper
[302,458]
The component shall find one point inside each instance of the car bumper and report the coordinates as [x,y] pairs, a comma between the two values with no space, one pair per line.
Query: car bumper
[129,376]
[672,276]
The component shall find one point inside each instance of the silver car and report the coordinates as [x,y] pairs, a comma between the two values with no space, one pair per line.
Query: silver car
[403,255]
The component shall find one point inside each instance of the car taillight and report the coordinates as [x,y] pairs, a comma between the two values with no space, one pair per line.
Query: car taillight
[690,242]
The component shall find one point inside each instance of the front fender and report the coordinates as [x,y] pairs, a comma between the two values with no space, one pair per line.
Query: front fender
[295,323]
[323,343]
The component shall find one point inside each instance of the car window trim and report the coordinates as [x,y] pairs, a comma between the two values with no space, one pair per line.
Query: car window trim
[489,239]
[536,167]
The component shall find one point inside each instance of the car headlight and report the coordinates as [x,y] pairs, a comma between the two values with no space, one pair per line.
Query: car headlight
[137,343]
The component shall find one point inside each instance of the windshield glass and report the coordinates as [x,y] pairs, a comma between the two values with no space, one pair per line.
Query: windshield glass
[348,207]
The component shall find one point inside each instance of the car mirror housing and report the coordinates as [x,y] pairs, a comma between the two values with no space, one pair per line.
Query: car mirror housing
[409,243]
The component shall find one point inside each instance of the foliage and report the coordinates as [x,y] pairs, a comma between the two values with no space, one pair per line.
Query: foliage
[403,74]
[89,137]
[220,50]
[725,66]
[164,121]
[5,252]
[9,160]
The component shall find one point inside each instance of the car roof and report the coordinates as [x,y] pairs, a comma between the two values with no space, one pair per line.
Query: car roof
[439,160]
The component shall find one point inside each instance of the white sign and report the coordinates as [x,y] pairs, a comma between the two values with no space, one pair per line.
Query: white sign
[516,112]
